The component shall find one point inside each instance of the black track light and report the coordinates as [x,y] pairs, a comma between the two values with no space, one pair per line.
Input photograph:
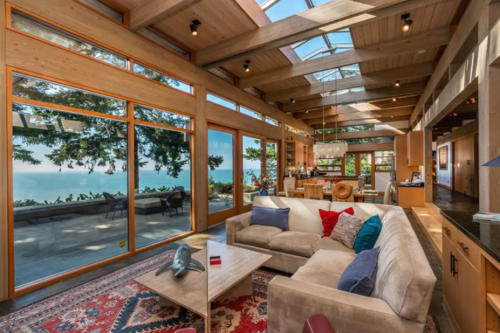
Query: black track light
[292,100]
[194,27]
[246,66]
[407,22]
[397,84]
[394,99]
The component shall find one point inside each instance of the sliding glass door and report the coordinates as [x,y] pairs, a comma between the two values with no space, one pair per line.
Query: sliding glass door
[222,173]
[239,163]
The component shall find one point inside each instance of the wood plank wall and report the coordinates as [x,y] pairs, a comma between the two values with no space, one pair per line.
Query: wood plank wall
[466,166]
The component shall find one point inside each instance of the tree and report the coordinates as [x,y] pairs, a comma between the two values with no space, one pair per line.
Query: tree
[87,141]
[254,154]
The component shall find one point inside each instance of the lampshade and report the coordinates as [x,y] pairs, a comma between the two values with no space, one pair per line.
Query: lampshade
[330,150]
[493,162]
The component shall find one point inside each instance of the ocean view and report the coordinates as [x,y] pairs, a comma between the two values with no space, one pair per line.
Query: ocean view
[40,186]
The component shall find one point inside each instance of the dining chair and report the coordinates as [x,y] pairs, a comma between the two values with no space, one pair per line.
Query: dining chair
[313,191]
[343,191]
[288,184]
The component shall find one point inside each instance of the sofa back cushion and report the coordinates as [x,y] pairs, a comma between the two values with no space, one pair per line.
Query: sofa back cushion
[362,210]
[405,279]
[272,217]
[304,213]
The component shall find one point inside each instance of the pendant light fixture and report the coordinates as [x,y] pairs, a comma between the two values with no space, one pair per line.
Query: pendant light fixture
[323,150]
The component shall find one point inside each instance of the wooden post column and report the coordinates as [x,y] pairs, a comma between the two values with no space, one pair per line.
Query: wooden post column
[201,160]
[428,164]
[4,227]
[489,114]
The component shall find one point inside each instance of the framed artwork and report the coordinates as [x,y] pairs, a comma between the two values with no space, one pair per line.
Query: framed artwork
[443,158]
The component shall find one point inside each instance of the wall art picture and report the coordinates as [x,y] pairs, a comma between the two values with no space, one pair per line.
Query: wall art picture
[443,158]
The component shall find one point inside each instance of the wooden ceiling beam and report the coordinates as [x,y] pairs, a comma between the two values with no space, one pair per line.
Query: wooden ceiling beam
[359,122]
[359,116]
[363,134]
[153,11]
[425,40]
[359,96]
[359,108]
[248,44]
[379,77]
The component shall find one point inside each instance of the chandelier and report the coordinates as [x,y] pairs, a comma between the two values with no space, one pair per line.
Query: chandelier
[328,150]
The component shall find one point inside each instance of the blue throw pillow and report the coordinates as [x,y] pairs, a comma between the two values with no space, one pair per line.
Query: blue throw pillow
[272,217]
[368,234]
[359,277]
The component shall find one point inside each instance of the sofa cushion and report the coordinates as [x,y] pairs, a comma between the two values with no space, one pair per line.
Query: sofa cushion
[368,234]
[303,215]
[330,219]
[328,243]
[346,230]
[359,277]
[330,261]
[294,242]
[362,210]
[309,275]
[272,217]
[257,235]
[404,279]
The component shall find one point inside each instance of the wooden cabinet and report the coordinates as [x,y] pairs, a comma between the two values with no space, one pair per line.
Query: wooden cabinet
[461,284]
[415,148]
[310,157]
[411,197]
[403,171]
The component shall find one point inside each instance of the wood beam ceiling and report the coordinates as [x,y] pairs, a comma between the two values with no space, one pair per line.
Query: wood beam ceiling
[244,46]
[469,129]
[153,11]
[359,122]
[361,116]
[380,77]
[465,27]
[362,134]
[425,40]
[361,108]
[359,96]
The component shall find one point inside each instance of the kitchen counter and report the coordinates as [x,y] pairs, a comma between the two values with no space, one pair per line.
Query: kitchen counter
[485,234]
[402,185]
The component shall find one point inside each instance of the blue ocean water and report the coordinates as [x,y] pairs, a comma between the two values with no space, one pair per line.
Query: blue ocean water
[49,186]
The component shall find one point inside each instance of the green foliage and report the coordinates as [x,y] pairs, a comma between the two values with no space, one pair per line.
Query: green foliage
[255,154]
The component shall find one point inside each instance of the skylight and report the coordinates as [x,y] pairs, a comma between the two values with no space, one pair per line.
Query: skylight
[317,47]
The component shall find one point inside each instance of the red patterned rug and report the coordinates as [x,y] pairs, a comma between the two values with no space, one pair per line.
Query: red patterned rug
[114,303]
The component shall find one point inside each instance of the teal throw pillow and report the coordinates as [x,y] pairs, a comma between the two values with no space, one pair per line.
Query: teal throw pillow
[368,234]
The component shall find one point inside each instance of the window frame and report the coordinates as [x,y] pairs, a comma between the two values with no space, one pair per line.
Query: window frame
[129,119]
[382,165]
[115,6]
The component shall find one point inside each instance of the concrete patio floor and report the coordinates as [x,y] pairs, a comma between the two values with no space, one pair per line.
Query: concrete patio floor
[73,241]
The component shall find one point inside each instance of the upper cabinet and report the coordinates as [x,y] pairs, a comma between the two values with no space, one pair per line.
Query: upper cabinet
[415,151]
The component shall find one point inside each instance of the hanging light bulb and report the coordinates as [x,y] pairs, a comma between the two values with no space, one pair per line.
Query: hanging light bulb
[194,27]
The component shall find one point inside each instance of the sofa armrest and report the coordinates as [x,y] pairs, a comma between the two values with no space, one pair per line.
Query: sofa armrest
[290,302]
[235,224]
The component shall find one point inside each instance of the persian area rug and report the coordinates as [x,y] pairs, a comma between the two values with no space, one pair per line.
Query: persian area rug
[115,303]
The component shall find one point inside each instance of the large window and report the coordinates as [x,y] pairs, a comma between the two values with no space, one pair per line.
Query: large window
[32,26]
[80,164]
[383,161]
[162,78]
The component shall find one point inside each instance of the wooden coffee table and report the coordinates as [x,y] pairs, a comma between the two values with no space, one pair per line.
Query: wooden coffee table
[232,278]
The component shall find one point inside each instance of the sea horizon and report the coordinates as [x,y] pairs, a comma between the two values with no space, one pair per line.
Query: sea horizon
[51,185]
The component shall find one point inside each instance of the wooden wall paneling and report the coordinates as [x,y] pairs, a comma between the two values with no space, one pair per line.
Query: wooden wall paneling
[362,134]
[4,200]
[57,63]
[101,30]
[367,147]
[428,165]
[466,130]
[403,171]
[373,116]
[464,164]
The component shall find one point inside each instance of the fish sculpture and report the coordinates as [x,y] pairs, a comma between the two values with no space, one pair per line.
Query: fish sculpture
[181,263]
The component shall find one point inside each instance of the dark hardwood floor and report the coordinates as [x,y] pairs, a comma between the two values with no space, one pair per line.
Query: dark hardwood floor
[452,200]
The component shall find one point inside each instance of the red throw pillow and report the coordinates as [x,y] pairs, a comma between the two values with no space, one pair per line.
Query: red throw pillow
[331,218]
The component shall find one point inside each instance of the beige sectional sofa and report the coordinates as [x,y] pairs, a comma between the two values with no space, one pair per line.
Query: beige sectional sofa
[404,285]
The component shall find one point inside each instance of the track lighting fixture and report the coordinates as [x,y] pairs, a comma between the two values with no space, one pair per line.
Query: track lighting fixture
[407,22]
[397,84]
[307,111]
[246,66]
[471,100]
[292,100]
[194,27]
